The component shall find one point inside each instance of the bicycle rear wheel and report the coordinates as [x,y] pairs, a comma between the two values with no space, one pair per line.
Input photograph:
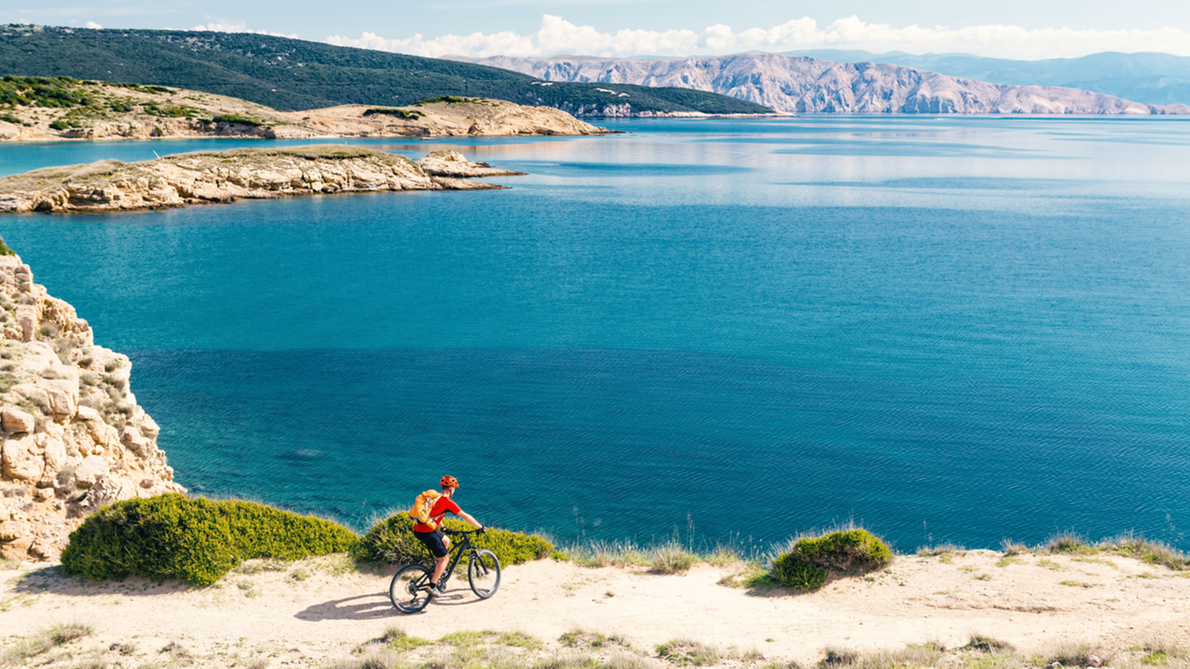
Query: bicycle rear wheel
[408,590]
[483,572]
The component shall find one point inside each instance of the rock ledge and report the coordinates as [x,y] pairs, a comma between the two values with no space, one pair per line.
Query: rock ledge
[225,176]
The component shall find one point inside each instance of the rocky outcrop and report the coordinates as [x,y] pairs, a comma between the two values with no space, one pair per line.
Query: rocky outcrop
[791,84]
[72,437]
[447,117]
[453,164]
[213,177]
[102,111]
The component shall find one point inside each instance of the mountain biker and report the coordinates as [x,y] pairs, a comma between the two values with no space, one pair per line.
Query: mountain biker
[434,540]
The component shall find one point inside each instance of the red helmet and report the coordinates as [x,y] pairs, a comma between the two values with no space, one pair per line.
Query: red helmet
[449,481]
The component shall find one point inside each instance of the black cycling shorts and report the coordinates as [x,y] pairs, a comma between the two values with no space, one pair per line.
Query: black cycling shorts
[433,541]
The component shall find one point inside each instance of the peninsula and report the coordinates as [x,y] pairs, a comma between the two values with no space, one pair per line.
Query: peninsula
[224,176]
[59,108]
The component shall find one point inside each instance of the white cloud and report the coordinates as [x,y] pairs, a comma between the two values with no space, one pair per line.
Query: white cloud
[557,36]
[220,27]
[94,26]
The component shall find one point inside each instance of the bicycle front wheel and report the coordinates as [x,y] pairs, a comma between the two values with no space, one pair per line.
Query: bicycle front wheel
[483,572]
[408,590]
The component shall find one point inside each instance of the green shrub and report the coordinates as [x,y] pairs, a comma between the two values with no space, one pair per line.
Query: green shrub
[408,114]
[797,573]
[194,540]
[235,119]
[60,125]
[813,560]
[391,541]
[5,251]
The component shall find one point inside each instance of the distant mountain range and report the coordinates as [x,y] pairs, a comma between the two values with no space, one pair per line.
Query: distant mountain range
[1150,78]
[289,74]
[804,84]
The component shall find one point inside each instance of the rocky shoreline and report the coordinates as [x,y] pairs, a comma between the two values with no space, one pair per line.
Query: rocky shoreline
[225,176]
[73,436]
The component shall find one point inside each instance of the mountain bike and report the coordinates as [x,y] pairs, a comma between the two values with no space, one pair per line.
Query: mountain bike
[410,590]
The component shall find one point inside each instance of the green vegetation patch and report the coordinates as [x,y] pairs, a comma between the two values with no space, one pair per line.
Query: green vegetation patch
[236,119]
[193,540]
[685,652]
[814,560]
[451,100]
[391,541]
[49,92]
[5,251]
[173,111]
[407,114]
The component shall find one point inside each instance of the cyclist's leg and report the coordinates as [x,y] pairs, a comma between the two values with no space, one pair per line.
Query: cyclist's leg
[439,567]
[438,545]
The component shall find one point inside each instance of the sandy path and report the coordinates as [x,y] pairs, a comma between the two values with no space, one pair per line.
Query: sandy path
[1030,601]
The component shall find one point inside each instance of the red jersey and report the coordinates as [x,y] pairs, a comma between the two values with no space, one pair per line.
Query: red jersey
[443,506]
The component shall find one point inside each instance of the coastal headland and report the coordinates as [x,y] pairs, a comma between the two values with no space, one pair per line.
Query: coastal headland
[224,176]
[60,108]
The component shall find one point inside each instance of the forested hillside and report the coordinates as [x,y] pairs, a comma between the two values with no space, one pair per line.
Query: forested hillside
[289,74]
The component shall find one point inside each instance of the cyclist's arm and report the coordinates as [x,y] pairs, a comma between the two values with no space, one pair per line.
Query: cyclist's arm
[467,517]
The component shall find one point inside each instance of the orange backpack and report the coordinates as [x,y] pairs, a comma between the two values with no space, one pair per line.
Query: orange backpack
[422,506]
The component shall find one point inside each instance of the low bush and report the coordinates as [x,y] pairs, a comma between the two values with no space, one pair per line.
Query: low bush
[235,119]
[391,541]
[193,540]
[408,114]
[814,560]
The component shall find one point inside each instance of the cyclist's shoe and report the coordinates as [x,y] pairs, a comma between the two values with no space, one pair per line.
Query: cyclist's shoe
[433,590]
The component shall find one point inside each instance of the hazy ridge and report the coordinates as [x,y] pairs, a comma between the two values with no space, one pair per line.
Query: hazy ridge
[802,84]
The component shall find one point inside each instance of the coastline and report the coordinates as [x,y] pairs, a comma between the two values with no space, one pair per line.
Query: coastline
[207,177]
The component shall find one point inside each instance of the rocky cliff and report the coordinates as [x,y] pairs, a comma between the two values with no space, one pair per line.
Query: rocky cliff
[791,84]
[73,435]
[224,176]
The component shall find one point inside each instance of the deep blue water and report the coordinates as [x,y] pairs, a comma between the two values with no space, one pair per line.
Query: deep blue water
[951,330]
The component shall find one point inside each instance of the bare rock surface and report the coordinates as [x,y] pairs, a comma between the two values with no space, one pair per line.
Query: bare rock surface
[453,164]
[73,437]
[129,111]
[212,177]
[792,84]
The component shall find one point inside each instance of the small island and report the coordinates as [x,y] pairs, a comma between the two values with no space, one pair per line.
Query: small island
[211,177]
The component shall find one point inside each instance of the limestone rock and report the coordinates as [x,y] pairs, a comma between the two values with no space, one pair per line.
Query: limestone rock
[211,177]
[453,164]
[73,437]
[22,459]
[16,421]
[90,470]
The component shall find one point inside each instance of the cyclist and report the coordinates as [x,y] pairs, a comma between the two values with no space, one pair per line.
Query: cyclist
[434,540]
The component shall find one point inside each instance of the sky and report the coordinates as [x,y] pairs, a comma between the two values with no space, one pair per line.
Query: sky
[1024,29]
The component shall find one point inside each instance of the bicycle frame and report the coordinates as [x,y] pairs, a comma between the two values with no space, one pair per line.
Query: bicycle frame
[459,548]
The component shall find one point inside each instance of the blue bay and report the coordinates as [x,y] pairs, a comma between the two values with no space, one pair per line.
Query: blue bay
[958,329]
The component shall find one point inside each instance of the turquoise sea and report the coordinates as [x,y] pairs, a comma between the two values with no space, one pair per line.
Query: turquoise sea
[948,329]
